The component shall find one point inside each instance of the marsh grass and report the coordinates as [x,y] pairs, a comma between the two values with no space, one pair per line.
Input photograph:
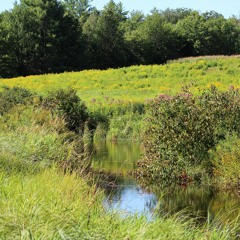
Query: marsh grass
[53,205]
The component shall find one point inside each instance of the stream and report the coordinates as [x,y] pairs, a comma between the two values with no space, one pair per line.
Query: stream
[127,196]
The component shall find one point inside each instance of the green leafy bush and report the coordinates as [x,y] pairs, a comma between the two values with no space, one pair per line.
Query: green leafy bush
[69,106]
[182,129]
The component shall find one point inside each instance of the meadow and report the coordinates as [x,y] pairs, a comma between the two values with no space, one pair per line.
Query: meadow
[138,83]
[120,95]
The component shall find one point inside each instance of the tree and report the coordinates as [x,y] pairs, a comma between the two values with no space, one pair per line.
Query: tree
[108,38]
[58,36]
[160,39]
[7,64]
[133,38]
[90,39]
[208,33]
[193,31]
[43,38]
[175,15]
[231,36]
[79,9]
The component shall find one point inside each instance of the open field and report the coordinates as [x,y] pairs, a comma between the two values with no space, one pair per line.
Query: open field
[137,83]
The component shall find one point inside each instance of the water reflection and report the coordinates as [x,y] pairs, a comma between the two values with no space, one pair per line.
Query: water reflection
[115,157]
[129,197]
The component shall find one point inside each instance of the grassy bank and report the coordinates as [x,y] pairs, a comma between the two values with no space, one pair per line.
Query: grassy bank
[44,203]
[51,205]
[44,194]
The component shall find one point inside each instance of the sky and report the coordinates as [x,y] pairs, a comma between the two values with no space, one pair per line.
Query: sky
[225,7]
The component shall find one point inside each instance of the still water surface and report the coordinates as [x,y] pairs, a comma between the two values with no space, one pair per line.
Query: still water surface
[129,197]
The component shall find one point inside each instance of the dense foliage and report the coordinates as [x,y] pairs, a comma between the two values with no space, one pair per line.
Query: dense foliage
[69,107]
[11,97]
[43,36]
[181,130]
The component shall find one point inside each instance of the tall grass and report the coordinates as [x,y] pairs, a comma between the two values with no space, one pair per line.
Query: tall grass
[53,205]
[226,162]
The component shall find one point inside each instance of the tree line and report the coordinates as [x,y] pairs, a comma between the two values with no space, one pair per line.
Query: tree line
[51,36]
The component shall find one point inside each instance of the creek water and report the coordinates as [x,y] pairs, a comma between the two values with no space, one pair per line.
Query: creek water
[125,195]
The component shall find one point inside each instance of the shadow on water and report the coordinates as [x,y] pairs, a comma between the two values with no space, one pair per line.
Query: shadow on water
[127,196]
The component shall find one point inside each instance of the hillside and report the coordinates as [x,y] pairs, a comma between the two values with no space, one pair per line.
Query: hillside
[137,83]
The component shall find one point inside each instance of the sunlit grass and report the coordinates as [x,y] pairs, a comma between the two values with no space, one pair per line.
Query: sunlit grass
[117,90]
[137,83]
[53,205]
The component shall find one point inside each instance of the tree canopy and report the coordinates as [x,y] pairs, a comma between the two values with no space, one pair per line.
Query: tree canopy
[42,36]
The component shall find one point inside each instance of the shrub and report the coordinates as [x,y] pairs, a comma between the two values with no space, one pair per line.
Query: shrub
[10,97]
[69,106]
[182,129]
[97,117]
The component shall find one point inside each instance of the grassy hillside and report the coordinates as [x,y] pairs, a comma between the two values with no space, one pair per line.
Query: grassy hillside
[138,83]
[119,94]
